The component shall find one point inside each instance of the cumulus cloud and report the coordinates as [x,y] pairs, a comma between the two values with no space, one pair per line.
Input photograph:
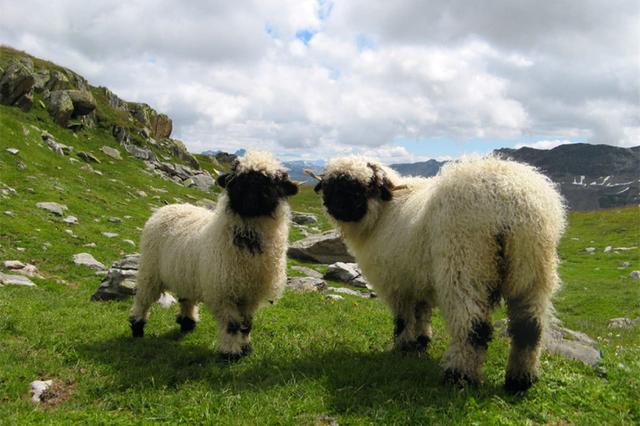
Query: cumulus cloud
[544,144]
[313,78]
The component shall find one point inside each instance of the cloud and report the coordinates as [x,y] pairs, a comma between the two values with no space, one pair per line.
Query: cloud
[544,144]
[318,78]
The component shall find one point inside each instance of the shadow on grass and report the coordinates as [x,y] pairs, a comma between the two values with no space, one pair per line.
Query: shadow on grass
[350,381]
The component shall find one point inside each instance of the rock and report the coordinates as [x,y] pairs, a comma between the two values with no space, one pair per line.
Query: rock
[13,264]
[55,146]
[346,272]
[121,135]
[71,220]
[29,270]
[6,279]
[113,100]
[60,107]
[16,84]
[303,218]
[115,220]
[83,102]
[324,248]
[590,250]
[9,213]
[38,389]
[143,154]
[166,300]
[161,126]
[13,151]
[334,297]
[88,157]
[86,259]
[306,284]
[635,275]
[348,291]
[130,261]
[203,181]
[130,242]
[307,271]
[625,264]
[111,152]
[607,249]
[52,207]
[110,234]
[622,322]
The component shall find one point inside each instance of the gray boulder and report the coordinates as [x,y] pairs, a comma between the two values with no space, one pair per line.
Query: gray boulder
[306,284]
[327,247]
[303,218]
[83,102]
[55,208]
[635,275]
[16,84]
[141,153]
[111,152]
[203,181]
[343,290]
[307,271]
[86,259]
[6,279]
[60,107]
[346,272]
[88,157]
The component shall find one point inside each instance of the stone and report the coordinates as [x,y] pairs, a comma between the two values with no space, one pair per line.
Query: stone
[161,126]
[110,234]
[307,271]
[83,102]
[344,290]
[590,250]
[334,297]
[306,284]
[115,220]
[130,261]
[13,151]
[143,154]
[60,107]
[327,247]
[88,157]
[111,152]
[52,207]
[130,242]
[16,84]
[6,279]
[71,220]
[635,275]
[346,272]
[56,146]
[203,181]
[85,259]
[13,264]
[303,218]
[29,270]
[607,249]
[38,389]
[166,300]
[622,322]
[9,213]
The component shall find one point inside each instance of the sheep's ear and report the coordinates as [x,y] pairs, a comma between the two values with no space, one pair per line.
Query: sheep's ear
[289,188]
[222,180]
[318,187]
[385,193]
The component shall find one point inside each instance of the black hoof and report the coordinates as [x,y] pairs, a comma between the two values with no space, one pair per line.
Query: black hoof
[517,384]
[186,324]
[418,345]
[137,327]
[458,378]
[246,350]
[230,356]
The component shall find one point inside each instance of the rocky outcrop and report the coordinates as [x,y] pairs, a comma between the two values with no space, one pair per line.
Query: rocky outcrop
[178,149]
[85,259]
[327,247]
[159,124]
[83,102]
[60,107]
[55,208]
[348,273]
[16,84]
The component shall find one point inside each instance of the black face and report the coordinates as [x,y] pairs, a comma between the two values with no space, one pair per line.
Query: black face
[253,194]
[345,198]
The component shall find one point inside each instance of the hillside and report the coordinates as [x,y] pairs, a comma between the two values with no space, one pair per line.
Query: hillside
[318,358]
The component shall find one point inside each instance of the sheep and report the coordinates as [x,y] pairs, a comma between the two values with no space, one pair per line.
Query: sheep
[233,259]
[482,230]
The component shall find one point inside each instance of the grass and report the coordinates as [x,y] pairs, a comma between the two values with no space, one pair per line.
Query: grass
[313,357]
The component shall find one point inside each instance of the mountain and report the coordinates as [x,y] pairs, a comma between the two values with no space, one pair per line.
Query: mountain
[296,168]
[424,168]
[589,176]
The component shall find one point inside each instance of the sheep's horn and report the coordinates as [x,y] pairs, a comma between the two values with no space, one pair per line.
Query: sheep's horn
[399,187]
[313,175]
[298,182]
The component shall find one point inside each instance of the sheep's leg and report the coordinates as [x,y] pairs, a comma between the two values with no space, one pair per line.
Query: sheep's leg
[423,330]
[148,290]
[188,316]
[234,328]
[404,321]
[468,322]
[529,285]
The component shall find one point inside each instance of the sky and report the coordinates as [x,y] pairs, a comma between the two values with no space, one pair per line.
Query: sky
[402,80]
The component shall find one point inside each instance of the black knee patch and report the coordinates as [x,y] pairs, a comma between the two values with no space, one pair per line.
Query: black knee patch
[494,297]
[422,342]
[518,383]
[399,326]
[525,333]
[137,327]
[233,327]
[458,378]
[480,334]
[245,327]
[186,324]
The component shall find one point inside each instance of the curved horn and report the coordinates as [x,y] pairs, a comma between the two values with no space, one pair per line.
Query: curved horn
[313,175]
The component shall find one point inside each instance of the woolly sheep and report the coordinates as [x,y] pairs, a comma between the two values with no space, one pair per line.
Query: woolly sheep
[482,230]
[233,259]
